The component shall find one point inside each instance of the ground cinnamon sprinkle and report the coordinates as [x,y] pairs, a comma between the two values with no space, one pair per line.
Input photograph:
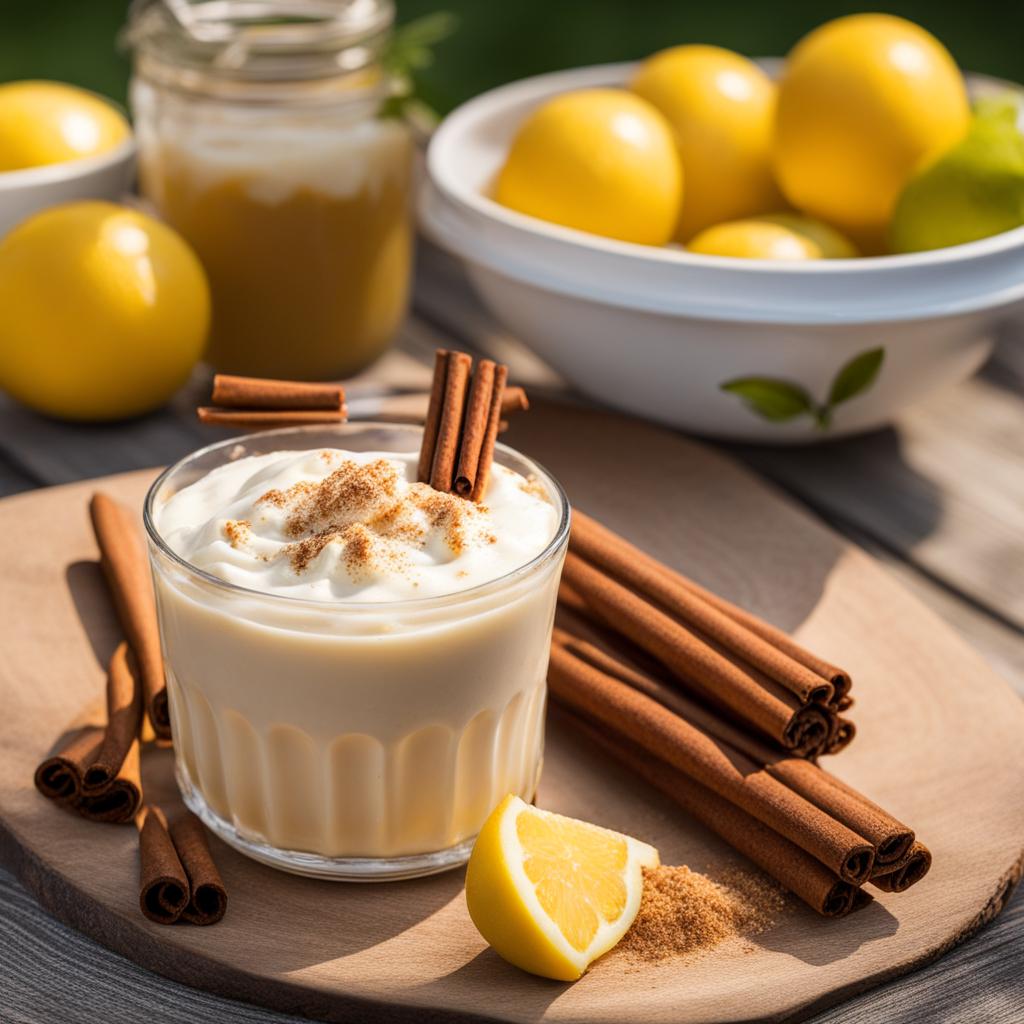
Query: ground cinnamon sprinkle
[685,913]
[237,531]
[358,506]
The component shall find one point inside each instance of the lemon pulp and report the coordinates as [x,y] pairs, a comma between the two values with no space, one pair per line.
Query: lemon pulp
[552,894]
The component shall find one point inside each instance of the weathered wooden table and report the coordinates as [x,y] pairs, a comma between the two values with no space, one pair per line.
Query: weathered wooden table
[939,499]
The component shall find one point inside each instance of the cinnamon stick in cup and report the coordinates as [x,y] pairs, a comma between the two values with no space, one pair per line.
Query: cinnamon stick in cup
[791,866]
[208,900]
[123,559]
[460,432]
[449,429]
[124,719]
[486,457]
[483,418]
[163,883]
[733,776]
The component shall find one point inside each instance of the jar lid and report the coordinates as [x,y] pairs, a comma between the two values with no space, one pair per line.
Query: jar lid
[284,40]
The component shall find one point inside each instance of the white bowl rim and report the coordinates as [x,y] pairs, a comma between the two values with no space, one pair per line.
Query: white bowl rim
[554,82]
[66,170]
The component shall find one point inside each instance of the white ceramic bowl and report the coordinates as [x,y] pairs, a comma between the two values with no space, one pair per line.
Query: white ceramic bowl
[657,332]
[107,176]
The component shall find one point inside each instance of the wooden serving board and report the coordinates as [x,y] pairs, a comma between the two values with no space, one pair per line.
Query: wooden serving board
[940,743]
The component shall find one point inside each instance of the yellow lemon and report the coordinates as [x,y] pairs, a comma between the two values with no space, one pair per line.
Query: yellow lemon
[48,123]
[863,102]
[831,244]
[599,160]
[721,107]
[552,894]
[754,240]
[105,312]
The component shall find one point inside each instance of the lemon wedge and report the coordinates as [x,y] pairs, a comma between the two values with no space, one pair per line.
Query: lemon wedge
[552,894]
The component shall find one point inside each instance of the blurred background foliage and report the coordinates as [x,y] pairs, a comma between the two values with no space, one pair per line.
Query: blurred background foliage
[499,40]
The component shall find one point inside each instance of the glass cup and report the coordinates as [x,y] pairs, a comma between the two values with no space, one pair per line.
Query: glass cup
[353,740]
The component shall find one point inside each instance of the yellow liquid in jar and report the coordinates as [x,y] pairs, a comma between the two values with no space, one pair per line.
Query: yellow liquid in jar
[309,275]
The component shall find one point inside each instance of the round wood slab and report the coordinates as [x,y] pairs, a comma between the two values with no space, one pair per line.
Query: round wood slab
[940,743]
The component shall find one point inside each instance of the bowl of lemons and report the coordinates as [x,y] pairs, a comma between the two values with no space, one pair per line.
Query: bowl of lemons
[772,251]
[58,143]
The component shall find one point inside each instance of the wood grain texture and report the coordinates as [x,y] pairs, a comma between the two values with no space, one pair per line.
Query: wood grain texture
[332,951]
[50,973]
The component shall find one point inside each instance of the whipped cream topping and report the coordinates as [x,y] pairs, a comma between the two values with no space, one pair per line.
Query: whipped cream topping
[334,525]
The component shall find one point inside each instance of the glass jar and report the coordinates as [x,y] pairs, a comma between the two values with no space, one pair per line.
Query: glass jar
[345,739]
[261,139]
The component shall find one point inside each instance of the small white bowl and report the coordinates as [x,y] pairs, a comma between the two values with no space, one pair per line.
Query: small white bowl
[24,192]
[659,331]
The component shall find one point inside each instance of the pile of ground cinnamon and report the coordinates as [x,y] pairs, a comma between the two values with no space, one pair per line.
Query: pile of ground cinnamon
[685,913]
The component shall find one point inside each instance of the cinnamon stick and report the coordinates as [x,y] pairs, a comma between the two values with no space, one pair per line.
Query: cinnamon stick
[432,421]
[637,570]
[460,431]
[478,414]
[909,871]
[890,838]
[163,883]
[617,706]
[234,392]
[119,801]
[790,865]
[59,776]
[449,430]
[124,718]
[514,399]
[263,419]
[744,692]
[208,900]
[486,457]
[124,565]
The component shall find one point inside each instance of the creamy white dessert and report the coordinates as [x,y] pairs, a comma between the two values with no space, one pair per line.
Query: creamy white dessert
[389,710]
[330,525]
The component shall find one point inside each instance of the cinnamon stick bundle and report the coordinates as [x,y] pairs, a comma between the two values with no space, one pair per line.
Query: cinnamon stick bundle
[96,770]
[464,415]
[802,804]
[590,691]
[749,669]
[741,691]
[124,564]
[255,403]
[178,879]
[790,865]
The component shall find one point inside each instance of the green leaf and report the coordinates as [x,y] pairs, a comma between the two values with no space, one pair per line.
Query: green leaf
[409,50]
[411,46]
[856,376]
[774,399]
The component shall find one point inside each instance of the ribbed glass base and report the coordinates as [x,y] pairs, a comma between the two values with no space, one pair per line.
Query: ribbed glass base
[315,865]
